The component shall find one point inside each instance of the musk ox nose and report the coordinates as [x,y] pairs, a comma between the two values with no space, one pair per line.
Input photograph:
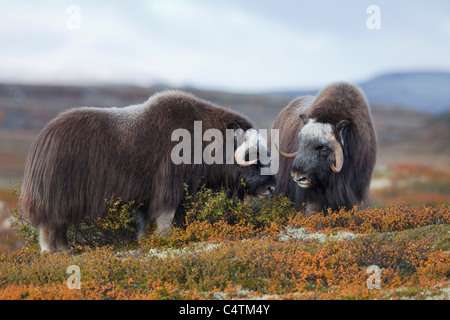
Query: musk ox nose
[301,179]
[266,192]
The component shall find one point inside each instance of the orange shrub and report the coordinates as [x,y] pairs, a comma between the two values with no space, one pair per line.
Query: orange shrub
[229,250]
[413,185]
[393,218]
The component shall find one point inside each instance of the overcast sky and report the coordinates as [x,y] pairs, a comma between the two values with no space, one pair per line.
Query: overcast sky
[236,45]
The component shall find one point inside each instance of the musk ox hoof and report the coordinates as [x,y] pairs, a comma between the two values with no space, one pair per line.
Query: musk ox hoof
[164,223]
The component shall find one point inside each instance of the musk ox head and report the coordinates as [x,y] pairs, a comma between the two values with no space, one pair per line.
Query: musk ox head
[253,158]
[320,152]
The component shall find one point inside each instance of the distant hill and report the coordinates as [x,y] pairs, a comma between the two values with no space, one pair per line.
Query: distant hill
[427,92]
[421,91]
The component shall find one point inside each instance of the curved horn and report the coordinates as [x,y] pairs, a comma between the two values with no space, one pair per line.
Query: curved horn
[338,153]
[286,155]
[239,156]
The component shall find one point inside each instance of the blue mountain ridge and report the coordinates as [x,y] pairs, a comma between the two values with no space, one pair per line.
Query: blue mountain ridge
[427,92]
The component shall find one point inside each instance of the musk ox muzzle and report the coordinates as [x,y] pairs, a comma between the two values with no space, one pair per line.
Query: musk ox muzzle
[301,179]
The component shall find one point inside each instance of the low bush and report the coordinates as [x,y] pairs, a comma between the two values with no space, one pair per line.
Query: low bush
[208,215]
[118,226]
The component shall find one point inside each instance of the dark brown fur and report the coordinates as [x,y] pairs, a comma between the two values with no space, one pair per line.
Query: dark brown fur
[87,155]
[337,102]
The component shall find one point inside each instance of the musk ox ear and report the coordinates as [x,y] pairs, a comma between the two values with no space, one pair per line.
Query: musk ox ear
[305,118]
[340,129]
[233,125]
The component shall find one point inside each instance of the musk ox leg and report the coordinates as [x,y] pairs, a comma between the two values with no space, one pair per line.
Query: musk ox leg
[180,216]
[53,239]
[142,224]
[163,221]
[141,227]
[47,239]
[62,245]
[314,207]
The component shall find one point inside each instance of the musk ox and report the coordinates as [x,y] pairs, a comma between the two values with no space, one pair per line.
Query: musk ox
[332,149]
[86,155]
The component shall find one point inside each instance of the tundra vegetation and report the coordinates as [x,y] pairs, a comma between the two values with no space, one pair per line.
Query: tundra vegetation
[259,248]
[223,255]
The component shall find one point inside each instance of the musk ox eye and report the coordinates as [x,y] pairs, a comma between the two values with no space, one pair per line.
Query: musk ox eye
[323,149]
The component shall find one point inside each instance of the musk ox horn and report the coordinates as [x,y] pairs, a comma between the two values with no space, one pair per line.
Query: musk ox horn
[286,155]
[239,156]
[338,154]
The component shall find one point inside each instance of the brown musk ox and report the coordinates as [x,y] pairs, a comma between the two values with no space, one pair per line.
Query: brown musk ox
[328,147]
[86,155]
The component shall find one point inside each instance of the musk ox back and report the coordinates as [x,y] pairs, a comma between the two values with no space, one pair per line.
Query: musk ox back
[332,147]
[87,155]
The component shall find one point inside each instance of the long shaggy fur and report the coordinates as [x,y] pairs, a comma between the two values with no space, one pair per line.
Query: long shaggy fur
[336,102]
[87,155]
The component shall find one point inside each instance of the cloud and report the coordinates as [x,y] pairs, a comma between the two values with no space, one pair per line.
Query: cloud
[233,45]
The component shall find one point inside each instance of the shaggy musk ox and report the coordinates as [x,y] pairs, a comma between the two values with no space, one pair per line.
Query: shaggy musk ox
[333,147]
[86,155]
